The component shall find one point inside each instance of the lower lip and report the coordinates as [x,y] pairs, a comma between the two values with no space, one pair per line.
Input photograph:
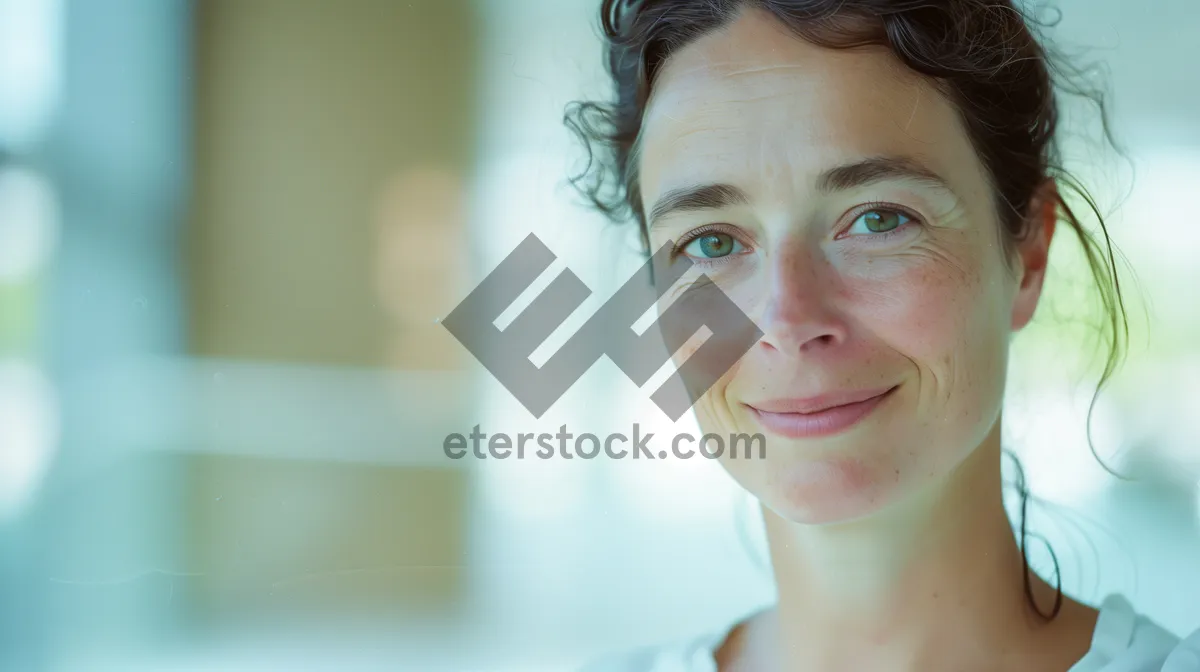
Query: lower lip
[822,423]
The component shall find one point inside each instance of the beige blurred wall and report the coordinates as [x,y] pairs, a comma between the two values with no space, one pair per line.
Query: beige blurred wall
[313,117]
[333,140]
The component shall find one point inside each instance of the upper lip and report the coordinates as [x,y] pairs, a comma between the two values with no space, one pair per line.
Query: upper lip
[820,402]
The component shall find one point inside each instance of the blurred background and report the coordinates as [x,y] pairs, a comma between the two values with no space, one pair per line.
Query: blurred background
[228,229]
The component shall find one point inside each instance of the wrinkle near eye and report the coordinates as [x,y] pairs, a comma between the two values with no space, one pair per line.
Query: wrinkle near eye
[962,271]
[682,288]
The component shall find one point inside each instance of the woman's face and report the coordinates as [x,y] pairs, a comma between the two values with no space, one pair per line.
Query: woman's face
[836,198]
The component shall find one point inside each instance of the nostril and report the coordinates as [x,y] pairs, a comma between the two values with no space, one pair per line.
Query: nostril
[821,340]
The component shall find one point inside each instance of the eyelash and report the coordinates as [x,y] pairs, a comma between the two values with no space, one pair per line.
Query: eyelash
[861,210]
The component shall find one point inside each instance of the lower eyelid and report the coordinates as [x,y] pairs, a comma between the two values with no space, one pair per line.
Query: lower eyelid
[887,235]
[717,261]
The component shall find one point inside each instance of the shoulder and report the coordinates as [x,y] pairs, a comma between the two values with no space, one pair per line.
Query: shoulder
[1126,641]
[1156,650]
[1183,655]
[645,659]
[691,655]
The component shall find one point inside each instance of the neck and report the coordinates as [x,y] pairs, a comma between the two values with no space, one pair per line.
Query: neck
[933,582]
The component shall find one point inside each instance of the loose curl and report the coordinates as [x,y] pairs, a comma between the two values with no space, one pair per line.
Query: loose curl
[983,55]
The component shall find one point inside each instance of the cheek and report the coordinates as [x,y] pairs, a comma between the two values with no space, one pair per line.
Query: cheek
[921,312]
[951,322]
[707,334]
[935,305]
[707,328]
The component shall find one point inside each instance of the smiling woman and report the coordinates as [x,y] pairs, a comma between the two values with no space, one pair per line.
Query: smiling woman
[876,185]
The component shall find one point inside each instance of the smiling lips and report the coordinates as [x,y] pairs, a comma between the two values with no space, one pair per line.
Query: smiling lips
[822,415]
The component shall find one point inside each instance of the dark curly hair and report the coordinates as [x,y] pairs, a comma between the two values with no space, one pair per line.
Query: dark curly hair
[983,55]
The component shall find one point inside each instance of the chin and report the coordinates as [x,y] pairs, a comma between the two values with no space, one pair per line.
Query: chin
[833,490]
[837,478]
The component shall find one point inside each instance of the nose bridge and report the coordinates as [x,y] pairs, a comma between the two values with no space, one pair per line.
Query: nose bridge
[800,309]
[795,277]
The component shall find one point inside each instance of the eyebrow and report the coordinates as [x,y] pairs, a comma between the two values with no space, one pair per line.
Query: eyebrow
[704,197]
[879,169]
[839,178]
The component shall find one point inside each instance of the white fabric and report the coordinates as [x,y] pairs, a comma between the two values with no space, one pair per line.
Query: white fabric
[1123,641]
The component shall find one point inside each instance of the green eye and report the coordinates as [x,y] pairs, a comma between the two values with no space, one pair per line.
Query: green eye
[880,220]
[712,246]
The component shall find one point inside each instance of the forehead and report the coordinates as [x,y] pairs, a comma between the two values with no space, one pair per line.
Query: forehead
[756,106]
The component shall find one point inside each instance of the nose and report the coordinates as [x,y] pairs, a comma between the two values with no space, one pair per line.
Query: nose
[801,315]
